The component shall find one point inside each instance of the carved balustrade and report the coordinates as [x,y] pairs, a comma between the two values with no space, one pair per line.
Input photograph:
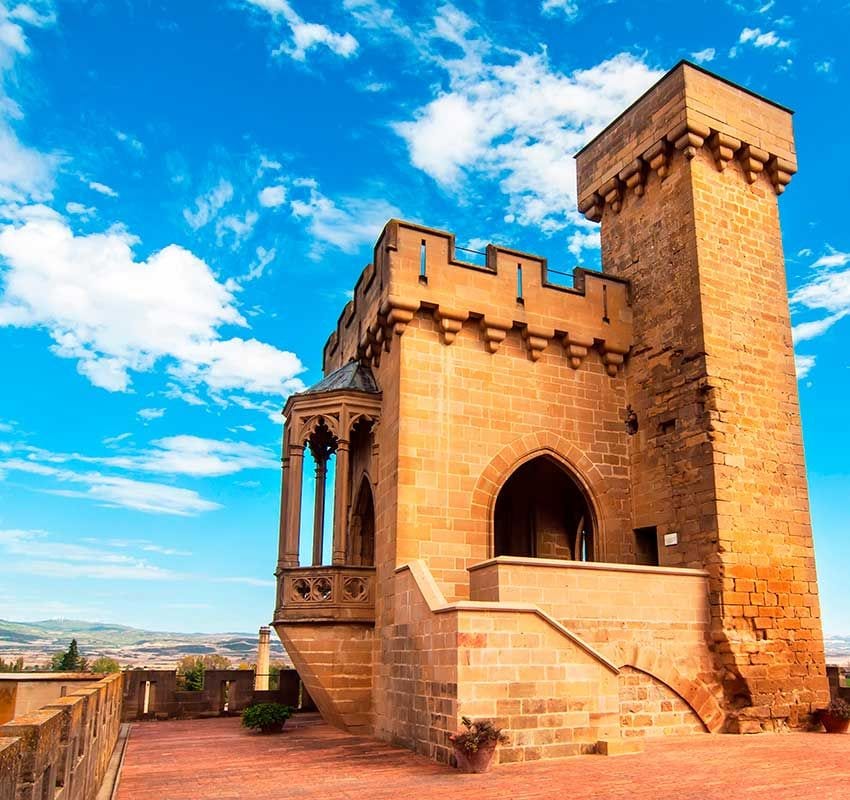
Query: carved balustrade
[333,593]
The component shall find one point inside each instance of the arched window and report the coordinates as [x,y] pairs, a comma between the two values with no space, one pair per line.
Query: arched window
[543,512]
[361,539]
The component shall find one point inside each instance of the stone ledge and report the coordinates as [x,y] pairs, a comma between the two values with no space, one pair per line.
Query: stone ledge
[618,747]
[588,565]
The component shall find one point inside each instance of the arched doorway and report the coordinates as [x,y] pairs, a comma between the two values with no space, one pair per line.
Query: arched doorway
[361,540]
[543,512]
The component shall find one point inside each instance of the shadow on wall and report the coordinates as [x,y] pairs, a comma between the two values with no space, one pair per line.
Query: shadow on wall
[153,694]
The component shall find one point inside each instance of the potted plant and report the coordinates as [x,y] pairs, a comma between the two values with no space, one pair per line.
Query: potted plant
[836,716]
[266,717]
[475,744]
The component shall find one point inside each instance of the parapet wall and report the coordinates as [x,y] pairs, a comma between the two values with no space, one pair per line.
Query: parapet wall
[62,749]
[153,694]
[22,692]
[416,270]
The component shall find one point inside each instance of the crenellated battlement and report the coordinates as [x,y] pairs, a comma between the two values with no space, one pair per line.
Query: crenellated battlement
[417,270]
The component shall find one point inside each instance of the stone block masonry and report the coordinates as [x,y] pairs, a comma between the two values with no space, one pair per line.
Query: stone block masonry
[62,750]
[579,511]
[719,459]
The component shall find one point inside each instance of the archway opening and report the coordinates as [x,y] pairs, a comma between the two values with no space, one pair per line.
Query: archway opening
[361,540]
[542,512]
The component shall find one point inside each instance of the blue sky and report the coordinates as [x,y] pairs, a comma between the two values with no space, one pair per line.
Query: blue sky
[189,190]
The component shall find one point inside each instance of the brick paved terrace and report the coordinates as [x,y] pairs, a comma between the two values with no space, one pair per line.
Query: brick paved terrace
[216,758]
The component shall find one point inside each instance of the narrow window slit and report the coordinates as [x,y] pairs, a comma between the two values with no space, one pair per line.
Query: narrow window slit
[423,262]
[519,297]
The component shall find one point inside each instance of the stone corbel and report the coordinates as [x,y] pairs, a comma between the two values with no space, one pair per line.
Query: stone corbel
[591,207]
[658,158]
[538,340]
[376,334]
[780,172]
[612,193]
[634,176]
[577,348]
[753,160]
[495,331]
[612,359]
[688,137]
[398,312]
[450,321]
[723,147]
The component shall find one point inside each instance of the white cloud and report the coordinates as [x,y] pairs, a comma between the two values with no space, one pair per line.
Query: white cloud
[236,228]
[569,8]
[209,204]
[111,441]
[762,40]
[346,224]
[131,141]
[704,56]
[115,315]
[804,365]
[171,455]
[827,291]
[36,552]
[46,556]
[583,239]
[195,456]
[258,267]
[825,67]
[25,173]
[272,196]
[509,116]
[148,414]
[115,491]
[102,188]
[80,210]
[305,35]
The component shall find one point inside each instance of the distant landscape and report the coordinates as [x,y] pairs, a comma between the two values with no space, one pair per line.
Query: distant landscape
[36,642]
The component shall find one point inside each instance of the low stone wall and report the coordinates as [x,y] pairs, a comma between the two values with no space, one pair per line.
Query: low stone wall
[22,692]
[153,694]
[62,750]
[652,619]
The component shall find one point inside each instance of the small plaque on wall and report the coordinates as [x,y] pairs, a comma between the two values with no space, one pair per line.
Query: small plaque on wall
[671,538]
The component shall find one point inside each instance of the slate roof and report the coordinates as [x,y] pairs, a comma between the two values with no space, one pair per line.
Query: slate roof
[353,377]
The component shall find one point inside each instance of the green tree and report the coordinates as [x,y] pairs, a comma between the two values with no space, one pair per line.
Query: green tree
[190,670]
[12,666]
[105,664]
[69,661]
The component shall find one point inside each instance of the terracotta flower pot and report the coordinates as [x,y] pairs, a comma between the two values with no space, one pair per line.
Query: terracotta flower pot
[834,724]
[475,762]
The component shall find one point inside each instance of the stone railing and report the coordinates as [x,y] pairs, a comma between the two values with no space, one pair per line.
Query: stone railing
[329,593]
[61,751]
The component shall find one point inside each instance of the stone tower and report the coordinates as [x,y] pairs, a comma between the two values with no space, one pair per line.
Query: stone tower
[580,510]
[685,184]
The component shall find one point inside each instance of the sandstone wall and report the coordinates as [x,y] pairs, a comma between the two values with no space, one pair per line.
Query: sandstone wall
[63,749]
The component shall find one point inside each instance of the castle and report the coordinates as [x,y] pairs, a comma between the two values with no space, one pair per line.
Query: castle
[580,511]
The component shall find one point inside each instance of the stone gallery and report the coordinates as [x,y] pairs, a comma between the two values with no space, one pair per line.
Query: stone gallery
[579,511]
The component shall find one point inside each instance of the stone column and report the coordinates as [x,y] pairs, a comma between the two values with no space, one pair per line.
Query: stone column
[261,676]
[294,472]
[283,556]
[341,503]
[319,511]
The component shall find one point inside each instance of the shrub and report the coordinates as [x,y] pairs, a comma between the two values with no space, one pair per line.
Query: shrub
[266,716]
[479,733]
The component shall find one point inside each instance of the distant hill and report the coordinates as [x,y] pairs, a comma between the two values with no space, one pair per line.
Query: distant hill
[38,641]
